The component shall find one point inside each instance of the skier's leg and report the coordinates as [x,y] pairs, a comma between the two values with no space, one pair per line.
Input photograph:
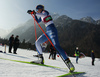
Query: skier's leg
[38,43]
[54,38]
[52,33]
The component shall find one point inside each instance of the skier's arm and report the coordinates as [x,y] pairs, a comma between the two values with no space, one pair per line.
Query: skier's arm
[41,14]
[38,20]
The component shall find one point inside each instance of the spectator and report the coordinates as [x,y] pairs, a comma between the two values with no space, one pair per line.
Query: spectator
[52,52]
[93,57]
[77,53]
[16,44]
[11,42]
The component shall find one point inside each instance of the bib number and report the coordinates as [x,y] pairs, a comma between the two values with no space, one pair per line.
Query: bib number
[47,19]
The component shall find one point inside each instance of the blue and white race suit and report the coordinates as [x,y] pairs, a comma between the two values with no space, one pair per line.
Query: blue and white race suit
[51,32]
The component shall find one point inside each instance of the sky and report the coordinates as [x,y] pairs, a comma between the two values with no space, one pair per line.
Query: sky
[14,12]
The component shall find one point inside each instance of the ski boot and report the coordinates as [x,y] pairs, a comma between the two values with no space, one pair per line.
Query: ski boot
[40,59]
[69,65]
[35,55]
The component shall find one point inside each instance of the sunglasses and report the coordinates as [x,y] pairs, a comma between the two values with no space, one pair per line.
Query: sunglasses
[36,9]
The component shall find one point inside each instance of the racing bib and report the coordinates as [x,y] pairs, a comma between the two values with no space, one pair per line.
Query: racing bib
[47,19]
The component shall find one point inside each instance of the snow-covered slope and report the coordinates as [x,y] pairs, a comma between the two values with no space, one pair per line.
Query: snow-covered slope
[16,69]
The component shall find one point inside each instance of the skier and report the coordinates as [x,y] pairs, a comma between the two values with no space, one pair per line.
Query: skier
[11,42]
[77,53]
[16,44]
[51,32]
[93,57]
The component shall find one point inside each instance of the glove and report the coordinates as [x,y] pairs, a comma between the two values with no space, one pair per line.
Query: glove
[31,12]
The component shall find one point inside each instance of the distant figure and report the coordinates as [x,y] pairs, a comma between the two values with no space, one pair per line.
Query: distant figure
[93,57]
[16,44]
[52,52]
[77,53]
[11,42]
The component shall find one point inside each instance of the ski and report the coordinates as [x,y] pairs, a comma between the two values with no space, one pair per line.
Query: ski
[71,74]
[32,62]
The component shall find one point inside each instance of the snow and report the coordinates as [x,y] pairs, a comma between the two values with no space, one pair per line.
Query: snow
[17,69]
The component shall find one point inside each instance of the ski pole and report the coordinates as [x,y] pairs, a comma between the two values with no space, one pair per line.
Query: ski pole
[35,31]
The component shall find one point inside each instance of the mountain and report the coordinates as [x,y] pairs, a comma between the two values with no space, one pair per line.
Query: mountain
[88,19]
[21,29]
[98,22]
[80,34]
[3,33]
[54,15]
[62,21]
[71,33]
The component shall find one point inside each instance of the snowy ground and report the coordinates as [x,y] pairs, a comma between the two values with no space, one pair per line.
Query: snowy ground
[16,69]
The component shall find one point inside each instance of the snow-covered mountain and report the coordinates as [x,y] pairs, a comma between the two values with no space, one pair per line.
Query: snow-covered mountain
[63,21]
[98,22]
[88,19]
[54,15]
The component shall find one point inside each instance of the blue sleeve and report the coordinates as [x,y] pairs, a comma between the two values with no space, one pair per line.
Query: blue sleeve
[38,20]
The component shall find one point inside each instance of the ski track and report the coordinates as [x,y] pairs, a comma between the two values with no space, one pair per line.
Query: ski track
[17,69]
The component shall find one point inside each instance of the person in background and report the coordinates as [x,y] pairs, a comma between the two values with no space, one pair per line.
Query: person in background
[93,57]
[16,44]
[11,42]
[77,53]
[52,52]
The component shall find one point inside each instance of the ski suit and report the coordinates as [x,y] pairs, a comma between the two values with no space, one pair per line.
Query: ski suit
[11,41]
[93,57]
[51,32]
[77,55]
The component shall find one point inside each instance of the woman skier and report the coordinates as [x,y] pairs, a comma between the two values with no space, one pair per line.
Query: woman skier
[51,32]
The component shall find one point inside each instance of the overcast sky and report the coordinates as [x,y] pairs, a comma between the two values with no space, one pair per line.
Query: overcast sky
[14,12]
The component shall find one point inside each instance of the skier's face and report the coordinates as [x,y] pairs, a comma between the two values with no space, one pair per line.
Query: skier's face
[39,10]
